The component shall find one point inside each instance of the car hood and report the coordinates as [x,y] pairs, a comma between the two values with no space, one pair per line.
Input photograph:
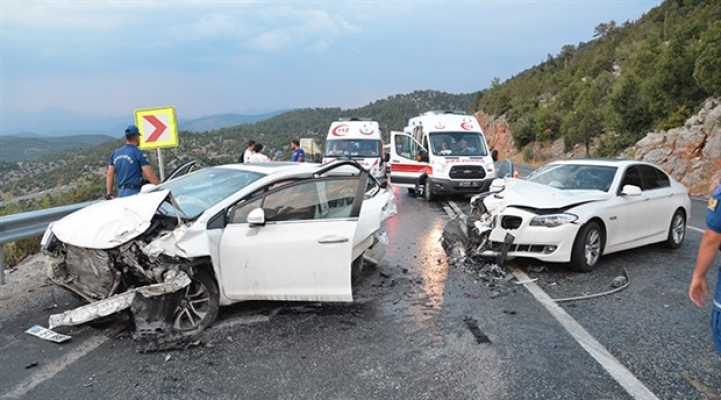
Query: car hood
[522,193]
[109,224]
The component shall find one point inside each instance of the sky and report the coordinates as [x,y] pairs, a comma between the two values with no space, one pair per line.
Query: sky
[109,58]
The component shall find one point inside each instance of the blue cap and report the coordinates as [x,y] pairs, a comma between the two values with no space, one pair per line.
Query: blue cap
[132,130]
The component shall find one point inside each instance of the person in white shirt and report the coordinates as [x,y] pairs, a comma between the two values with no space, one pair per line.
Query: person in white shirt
[258,155]
[245,156]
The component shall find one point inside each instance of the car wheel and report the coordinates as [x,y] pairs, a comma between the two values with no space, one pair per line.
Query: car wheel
[587,248]
[198,306]
[677,230]
[428,193]
[356,269]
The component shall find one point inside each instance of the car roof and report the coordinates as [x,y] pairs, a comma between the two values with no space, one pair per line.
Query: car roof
[614,162]
[272,167]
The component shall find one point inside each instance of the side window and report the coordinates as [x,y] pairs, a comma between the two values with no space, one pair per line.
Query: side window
[404,146]
[291,203]
[239,215]
[653,178]
[631,177]
[337,198]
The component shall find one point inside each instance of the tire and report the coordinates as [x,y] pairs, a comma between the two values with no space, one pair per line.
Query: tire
[356,270]
[428,192]
[198,306]
[676,231]
[587,248]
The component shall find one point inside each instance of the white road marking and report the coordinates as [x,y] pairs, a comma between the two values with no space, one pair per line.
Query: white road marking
[48,371]
[693,228]
[623,376]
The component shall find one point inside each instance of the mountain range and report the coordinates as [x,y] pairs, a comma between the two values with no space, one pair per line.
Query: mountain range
[55,130]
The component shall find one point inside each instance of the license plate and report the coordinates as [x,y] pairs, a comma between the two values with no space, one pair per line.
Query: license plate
[467,184]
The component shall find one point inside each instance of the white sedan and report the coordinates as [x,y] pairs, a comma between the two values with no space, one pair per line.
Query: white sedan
[174,253]
[574,211]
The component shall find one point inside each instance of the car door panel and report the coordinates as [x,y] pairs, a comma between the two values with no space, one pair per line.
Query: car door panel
[305,249]
[405,168]
[291,260]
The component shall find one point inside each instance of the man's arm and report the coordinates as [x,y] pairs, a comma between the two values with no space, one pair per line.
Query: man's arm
[698,290]
[150,175]
[301,155]
[109,178]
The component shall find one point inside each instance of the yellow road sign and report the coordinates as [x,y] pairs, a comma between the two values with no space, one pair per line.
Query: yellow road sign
[158,128]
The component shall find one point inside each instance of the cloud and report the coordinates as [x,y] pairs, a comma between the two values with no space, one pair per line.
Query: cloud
[288,28]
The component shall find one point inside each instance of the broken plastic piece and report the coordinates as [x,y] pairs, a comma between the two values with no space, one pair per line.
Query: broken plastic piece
[47,334]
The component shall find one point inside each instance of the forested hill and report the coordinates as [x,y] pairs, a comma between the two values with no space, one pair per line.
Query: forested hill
[635,77]
[85,168]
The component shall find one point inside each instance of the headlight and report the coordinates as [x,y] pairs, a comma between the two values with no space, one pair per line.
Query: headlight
[491,167]
[553,220]
[440,167]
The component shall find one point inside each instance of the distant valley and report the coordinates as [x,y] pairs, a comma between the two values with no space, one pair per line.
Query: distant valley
[66,134]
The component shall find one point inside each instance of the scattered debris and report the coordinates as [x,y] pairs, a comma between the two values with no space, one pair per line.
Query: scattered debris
[533,268]
[594,295]
[523,282]
[167,357]
[32,365]
[619,281]
[472,325]
[47,334]
[510,312]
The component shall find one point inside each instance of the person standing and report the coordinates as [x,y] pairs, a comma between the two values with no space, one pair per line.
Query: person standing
[127,165]
[245,157]
[258,155]
[710,244]
[298,153]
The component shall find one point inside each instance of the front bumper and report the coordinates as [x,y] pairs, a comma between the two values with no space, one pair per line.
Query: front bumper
[457,186]
[538,242]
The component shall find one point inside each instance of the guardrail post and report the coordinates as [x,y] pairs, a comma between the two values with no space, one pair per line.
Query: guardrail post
[2,263]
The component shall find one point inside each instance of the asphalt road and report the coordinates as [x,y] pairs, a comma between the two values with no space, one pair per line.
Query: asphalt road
[423,326]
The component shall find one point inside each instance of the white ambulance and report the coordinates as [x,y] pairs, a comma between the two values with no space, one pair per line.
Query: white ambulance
[441,152]
[359,139]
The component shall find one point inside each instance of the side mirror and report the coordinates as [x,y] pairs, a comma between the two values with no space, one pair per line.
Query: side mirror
[148,187]
[423,156]
[256,217]
[494,155]
[631,190]
[387,157]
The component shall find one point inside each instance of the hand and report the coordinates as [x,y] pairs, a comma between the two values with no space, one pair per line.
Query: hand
[109,196]
[698,290]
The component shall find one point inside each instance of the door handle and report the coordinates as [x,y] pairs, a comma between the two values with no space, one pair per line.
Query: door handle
[332,239]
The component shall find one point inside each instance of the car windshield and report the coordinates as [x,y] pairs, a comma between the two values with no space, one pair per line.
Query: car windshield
[200,190]
[359,148]
[458,144]
[575,176]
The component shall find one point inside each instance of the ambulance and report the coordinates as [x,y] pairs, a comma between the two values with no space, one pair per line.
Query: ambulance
[440,153]
[359,139]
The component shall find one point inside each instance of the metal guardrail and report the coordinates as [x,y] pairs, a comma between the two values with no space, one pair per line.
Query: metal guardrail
[29,224]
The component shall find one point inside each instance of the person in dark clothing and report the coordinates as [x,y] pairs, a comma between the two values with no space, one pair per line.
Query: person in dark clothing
[127,165]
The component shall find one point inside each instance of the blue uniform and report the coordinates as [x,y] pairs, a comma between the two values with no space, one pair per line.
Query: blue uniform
[298,154]
[128,162]
[713,222]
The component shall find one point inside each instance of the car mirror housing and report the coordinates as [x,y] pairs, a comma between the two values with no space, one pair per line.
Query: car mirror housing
[148,187]
[631,190]
[256,217]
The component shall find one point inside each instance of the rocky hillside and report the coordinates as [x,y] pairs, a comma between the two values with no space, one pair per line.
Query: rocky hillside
[691,153]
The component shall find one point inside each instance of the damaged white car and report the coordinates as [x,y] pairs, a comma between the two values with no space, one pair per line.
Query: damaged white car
[175,253]
[574,211]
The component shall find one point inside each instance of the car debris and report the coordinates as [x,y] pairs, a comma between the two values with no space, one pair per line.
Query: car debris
[472,325]
[47,334]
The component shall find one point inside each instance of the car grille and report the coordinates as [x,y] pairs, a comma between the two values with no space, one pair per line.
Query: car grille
[525,248]
[467,172]
[511,222]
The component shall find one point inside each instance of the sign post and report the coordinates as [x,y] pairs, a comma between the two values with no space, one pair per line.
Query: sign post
[158,130]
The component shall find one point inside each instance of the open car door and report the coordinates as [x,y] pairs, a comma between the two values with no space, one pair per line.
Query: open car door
[406,166]
[294,242]
[180,170]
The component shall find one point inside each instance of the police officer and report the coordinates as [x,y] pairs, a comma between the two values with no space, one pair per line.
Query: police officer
[710,245]
[128,164]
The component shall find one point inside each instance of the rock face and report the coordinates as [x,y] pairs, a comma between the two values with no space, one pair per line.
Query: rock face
[691,154]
